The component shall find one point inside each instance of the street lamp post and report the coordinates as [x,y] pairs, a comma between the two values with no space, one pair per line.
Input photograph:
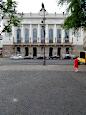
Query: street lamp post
[43,26]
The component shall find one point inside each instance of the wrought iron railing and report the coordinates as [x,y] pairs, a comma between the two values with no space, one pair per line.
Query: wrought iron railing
[66,40]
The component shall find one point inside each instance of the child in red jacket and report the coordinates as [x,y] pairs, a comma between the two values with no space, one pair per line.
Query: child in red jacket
[76,64]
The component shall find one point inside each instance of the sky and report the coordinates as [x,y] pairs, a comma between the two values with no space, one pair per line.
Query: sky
[34,6]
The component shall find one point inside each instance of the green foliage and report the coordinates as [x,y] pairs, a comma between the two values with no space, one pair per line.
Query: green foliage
[9,12]
[7,29]
[63,1]
[83,4]
[76,16]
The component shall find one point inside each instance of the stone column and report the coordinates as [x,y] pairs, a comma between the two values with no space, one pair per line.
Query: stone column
[14,34]
[46,34]
[70,36]
[62,38]
[31,40]
[22,34]
[54,36]
[39,35]
[81,36]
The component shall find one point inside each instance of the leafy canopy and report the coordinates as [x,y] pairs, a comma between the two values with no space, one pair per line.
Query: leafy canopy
[8,11]
[76,17]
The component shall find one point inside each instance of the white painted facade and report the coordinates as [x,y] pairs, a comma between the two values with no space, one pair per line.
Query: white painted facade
[54,21]
[31,21]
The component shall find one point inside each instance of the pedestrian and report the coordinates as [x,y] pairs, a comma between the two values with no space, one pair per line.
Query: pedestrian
[76,64]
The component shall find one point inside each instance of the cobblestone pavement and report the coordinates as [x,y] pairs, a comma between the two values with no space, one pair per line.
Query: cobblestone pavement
[36,90]
[7,61]
[82,68]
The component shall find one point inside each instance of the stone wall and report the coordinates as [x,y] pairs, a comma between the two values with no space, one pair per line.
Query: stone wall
[7,50]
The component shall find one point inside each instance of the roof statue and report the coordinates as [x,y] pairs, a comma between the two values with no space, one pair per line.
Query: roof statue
[42,5]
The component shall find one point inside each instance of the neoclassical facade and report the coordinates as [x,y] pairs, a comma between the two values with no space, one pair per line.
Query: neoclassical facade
[30,39]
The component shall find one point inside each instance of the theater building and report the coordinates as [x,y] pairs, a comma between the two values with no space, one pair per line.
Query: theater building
[30,39]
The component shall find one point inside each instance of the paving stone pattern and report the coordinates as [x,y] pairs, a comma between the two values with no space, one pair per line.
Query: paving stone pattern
[42,92]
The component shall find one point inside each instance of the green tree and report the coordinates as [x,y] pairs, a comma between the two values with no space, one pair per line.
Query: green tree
[76,17]
[8,11]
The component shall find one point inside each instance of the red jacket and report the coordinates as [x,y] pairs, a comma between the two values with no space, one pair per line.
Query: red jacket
[76,63]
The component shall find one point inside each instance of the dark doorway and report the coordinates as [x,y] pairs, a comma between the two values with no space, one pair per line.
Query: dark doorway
[67,50]
[34,52]
[26,51]
[50,51]
[18,50]
[59,52]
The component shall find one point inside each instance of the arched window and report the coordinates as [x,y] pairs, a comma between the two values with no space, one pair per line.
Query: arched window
[58,35]
[26,35]
[34,35]
[42,35]
[50,35]
[18,35]
[66,35]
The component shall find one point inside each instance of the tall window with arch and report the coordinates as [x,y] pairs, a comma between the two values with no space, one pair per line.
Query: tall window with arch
[18,35]
[66,35]
[34,35]
[42,35]
[59,35]
[26,35]
[50,35]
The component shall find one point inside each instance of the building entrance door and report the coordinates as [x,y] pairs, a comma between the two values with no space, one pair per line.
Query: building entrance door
[50,51]
[59,52]
[26,51]
[67,50]
[34,52]
[18,50]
